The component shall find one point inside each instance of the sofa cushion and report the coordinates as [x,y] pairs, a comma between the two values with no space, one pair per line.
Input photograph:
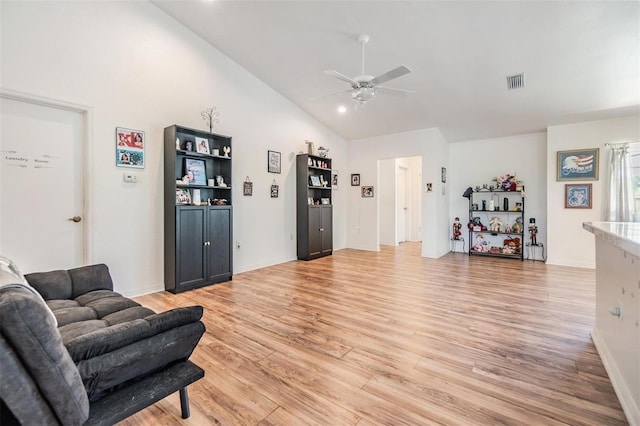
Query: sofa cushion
[72,283]
[30,331]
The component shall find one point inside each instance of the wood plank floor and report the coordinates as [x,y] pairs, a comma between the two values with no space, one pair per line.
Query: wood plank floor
[391,338]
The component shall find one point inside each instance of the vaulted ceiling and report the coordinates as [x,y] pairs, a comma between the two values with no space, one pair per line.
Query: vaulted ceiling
[581,59]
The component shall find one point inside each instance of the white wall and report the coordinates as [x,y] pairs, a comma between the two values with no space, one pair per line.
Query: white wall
[569,244]
[387,204]
[363,157]
[478,162]
[138,68]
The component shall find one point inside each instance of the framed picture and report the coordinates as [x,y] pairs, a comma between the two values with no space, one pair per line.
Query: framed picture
[581,164]
[202,145]
[183,196]
[247,187]
[129,148]
[274,159]
[334,179]
[429,187]
[195,170]
[367,191]
[315,180]
[355,179]
[443,174]
[577,196]
[274,191]
[325,201]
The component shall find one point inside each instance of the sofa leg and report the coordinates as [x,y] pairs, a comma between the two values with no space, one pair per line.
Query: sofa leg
[184,403]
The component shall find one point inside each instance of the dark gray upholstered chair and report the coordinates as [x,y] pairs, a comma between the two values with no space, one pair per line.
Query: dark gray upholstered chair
[75,352]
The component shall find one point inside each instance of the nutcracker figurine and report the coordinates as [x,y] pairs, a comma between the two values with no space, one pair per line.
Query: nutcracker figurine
[533,231]
[456,228]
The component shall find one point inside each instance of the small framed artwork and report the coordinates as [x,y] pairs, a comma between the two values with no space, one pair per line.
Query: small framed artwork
[355,179]
[187,146]
[580,164]
[367,192]
[247,187]
[202,145]
[334,179]
[325,201]
[315,180]
[443,174]
[274,160]
[577,196]
[274,191]
[183,196]
[129,148]
[429,187]
[194,169]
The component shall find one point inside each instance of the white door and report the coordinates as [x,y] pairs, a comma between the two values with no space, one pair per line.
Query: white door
[401,192]
[41,186]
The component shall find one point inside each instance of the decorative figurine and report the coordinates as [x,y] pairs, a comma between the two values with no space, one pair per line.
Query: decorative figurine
[178,144]
[517,227]
[226,150]
[495,223]
[322,152]
[481,244]
[533,231]
[456,228]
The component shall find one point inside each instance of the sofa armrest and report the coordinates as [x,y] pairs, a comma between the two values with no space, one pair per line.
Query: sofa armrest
[115,337]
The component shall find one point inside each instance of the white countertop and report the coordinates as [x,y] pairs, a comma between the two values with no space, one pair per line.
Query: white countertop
[625,235]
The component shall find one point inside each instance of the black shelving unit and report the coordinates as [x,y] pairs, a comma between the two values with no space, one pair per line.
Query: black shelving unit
[198,236]
[487,203]
[314,209]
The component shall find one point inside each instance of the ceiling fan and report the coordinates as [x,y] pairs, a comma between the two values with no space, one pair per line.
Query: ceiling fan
[365,87]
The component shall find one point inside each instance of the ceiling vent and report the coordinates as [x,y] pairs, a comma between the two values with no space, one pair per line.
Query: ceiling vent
[515,81]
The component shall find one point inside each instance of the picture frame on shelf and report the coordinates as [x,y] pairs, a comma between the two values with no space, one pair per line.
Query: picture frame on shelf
[355,179]
[183,196]
[367,192]
[325,201]
[578,196]
[129,148]
[195,169]
[578,164]
[315,180]
[274,162]
[202,145]
[310,201]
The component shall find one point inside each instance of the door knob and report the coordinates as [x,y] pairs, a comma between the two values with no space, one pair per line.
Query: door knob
[76,219]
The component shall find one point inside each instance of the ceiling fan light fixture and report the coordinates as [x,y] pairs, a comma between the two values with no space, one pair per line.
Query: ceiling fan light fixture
[363,95]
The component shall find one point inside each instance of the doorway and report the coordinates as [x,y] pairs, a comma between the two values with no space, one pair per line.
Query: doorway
[42,183]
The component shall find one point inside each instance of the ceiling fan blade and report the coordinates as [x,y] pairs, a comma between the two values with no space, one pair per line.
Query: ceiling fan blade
[329,95]
[394,91]
[342,77]
[390,75]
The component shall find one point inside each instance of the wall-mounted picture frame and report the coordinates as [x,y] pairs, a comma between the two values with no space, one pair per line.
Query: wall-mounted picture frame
[578,196]
[315,180]
[334,179]
[274,191]
[367,192]
[194,168]
[443,175]
[274,162]
[355,179]
[129,148]
[578,164]
[429,187]
[247,187]
[202,145]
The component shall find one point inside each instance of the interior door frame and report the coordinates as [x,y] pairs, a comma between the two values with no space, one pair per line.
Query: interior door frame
[87,174]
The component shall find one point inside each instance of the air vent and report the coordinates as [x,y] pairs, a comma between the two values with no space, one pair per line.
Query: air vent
[515,81]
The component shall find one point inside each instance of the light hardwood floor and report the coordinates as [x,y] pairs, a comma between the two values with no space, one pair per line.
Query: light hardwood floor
[365,338]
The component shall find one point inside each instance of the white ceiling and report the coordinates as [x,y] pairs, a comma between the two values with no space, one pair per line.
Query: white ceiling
[581,59]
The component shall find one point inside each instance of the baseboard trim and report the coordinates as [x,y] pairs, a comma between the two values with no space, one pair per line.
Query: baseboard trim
[629,406]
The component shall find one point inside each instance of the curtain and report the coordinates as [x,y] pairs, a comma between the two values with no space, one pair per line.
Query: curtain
[620,206]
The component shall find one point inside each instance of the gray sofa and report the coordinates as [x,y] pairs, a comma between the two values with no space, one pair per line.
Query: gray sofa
[73,351]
